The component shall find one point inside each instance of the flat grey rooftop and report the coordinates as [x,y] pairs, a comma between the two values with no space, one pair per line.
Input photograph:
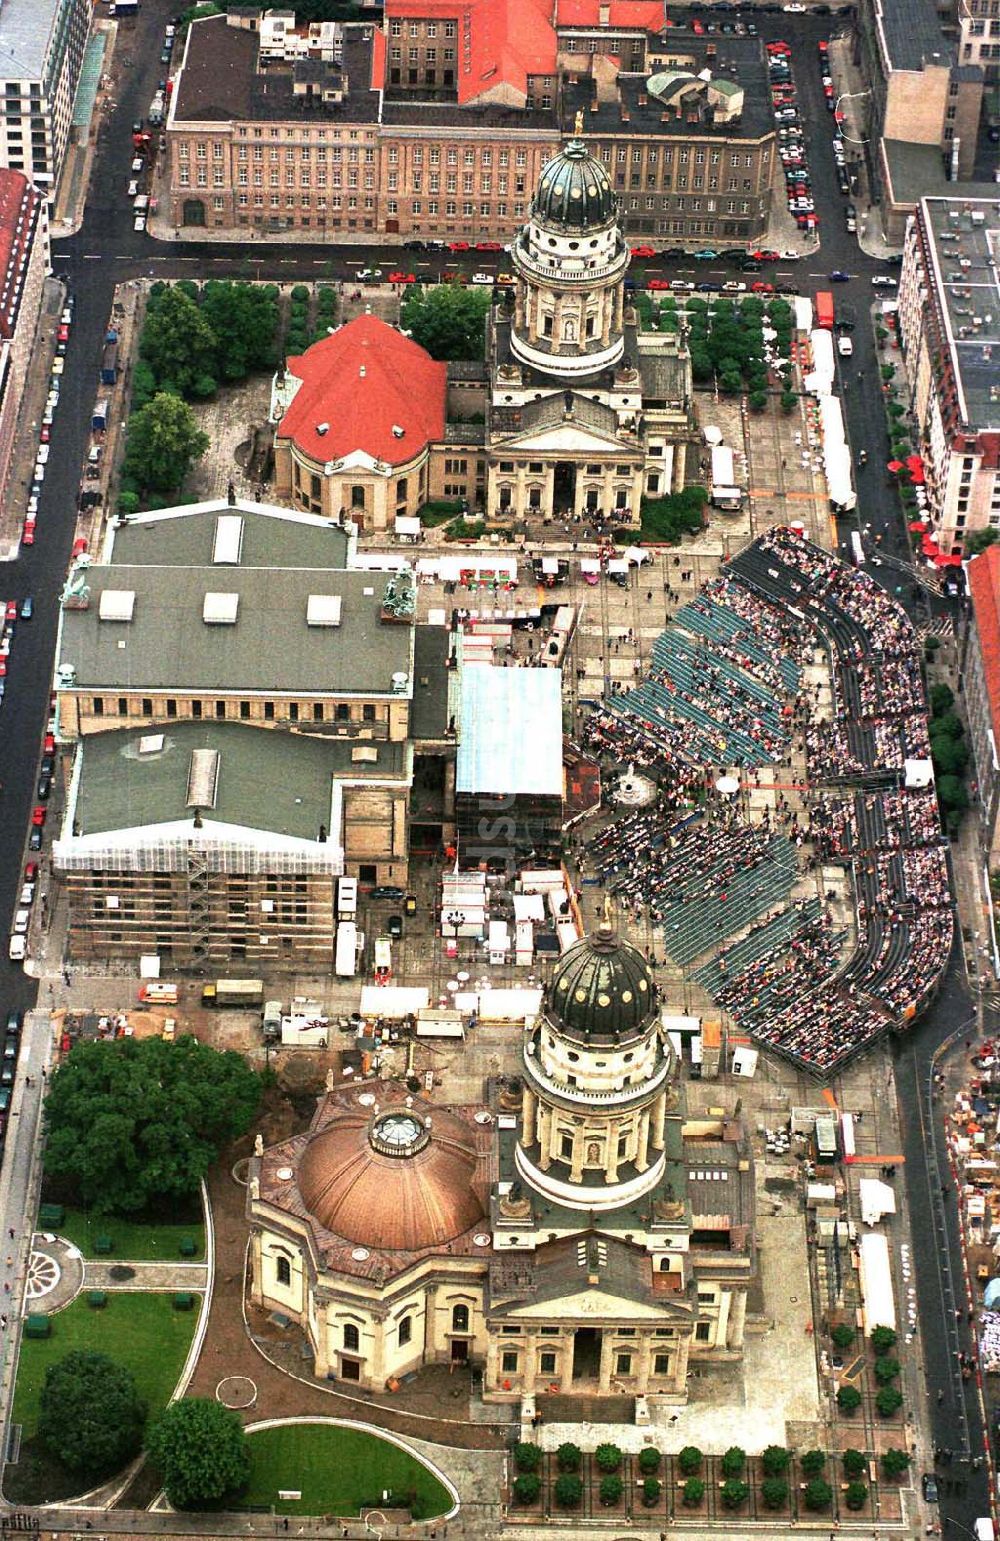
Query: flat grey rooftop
[25,29]
[965,232]
[912,34]
[268,537]
[269,648]
[267,779]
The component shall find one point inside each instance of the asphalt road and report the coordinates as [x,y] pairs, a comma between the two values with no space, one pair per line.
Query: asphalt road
[107,250]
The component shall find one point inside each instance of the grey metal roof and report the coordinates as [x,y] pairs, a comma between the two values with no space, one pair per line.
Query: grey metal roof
[268,780]
[967,271]
[912,35]
[271,537]
[429,713]
[510,742]
[269,649]
[26,28]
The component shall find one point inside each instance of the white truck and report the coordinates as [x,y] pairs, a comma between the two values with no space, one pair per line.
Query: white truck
[345,962]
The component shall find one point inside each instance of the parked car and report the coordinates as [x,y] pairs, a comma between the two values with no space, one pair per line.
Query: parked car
[838,276]
[388,891]
[394,925]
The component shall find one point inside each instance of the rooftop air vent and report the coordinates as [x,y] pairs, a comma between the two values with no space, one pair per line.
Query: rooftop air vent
[323,610]
[397,431]
[151,743]
[117,605]
[203,778]
[322,428]
[220,609]
[228,539]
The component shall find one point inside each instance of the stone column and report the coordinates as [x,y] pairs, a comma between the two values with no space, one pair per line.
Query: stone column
[321,1348]
[642,1153]
[490,1372]
[256,1270]
[528,1106]
[576,1164]
[611,1159]
[544,1135]
[519,472]
[737,1318]
[557,321]
[681,1361]
[642,1372]
[722,1330]
[530,1369]
[604,1374]
[680,461]
[659,1122]
[607,315]
[375,1363]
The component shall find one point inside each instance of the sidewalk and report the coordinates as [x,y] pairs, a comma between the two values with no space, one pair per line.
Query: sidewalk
[36,389]
[71,197]
[853,92]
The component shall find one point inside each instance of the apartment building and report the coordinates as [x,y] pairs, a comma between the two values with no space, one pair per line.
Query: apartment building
[979,38]
[42,45]
[949,316]
[24,261]
[452,144]
[981,689]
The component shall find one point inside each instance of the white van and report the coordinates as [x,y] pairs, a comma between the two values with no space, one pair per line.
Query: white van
[845,347]
[347,898]
[133,187]
[18,950]
[141,202]
[21,919]
[139,223]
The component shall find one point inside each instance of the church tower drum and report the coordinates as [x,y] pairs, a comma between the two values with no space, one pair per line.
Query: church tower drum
[570,260]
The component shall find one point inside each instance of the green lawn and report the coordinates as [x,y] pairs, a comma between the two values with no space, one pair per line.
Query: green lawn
[135,1240]
[339,1471]
[141,1331]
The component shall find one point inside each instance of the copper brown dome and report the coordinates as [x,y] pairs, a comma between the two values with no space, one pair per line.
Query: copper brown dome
[400,1181]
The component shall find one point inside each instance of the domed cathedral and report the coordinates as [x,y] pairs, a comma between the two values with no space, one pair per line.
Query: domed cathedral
[622,1232]
[586,413]
[577,1235]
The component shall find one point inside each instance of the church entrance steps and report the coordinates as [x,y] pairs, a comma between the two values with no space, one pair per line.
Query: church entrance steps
[586,1408]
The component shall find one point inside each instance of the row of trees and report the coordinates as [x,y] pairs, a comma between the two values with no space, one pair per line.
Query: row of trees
[727,344]
[92,1420]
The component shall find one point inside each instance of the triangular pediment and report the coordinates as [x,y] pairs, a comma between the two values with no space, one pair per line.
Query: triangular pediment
[563,438]
[598,1305]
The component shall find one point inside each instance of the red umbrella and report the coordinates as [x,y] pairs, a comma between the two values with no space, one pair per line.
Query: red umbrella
[918,527]
[947,561]
[894,466]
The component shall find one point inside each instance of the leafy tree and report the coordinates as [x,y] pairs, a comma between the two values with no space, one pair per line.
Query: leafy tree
[195,12]
[882,1339]
[855,1495]
[734,1492]
[607,1457]
[143,384]
[128,503]
[527,1457]
[568,1491]
[855,1462]
[948,723]
[788,402]
[818,1494]
[651,1490]
[300,294]
[843,1335]
[942,701]
[177,341]
[734,1461]
[978,540]
[91,1416]
[689,1460]
[569,1457]
[611,1489]
[886,1370]
[701,365]
[694,1492]
[448,320]
[774,1492]
[649,1460]
[757,401]
[201,1449]
[527,1487]
[775,1460]
[895,1461]
[888,1401]
[952,794]
[137,1122]
[677,514]
[162,441]
[950,756]
[812,1462]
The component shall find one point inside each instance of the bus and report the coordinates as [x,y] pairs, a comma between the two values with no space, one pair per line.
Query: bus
[824,310]
[346,954]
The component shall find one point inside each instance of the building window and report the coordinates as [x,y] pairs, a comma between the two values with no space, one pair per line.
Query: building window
[547,1363]
[460,1318]
[352,1338]
[703,1332]
[220,708]
[98,706]
[508,1362]
[623,1364]
[244,711]
[283,1270]
[566,1146]
[405,1331]
[661,1364]
[147,706]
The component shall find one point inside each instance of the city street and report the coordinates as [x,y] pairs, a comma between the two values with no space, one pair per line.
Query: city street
[106,252]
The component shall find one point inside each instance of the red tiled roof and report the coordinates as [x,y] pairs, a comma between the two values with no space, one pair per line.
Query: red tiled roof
[643,15]
[378,60]
[364,381]
[500,42]
[984,586]
[16,197]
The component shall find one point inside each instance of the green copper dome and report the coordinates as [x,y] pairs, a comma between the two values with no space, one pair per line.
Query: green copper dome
[574,190]
[602,989]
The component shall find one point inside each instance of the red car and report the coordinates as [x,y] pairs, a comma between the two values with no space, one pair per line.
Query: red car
[38,815]
[778,48]
[49,744]
[62,335]
[697,28]
[3,668]
[657,283]
[45,435]
[459,246]
[486,246]
[28,533]
[643,251]
[10,610]
[402,278]
[759,287]
[31,871]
